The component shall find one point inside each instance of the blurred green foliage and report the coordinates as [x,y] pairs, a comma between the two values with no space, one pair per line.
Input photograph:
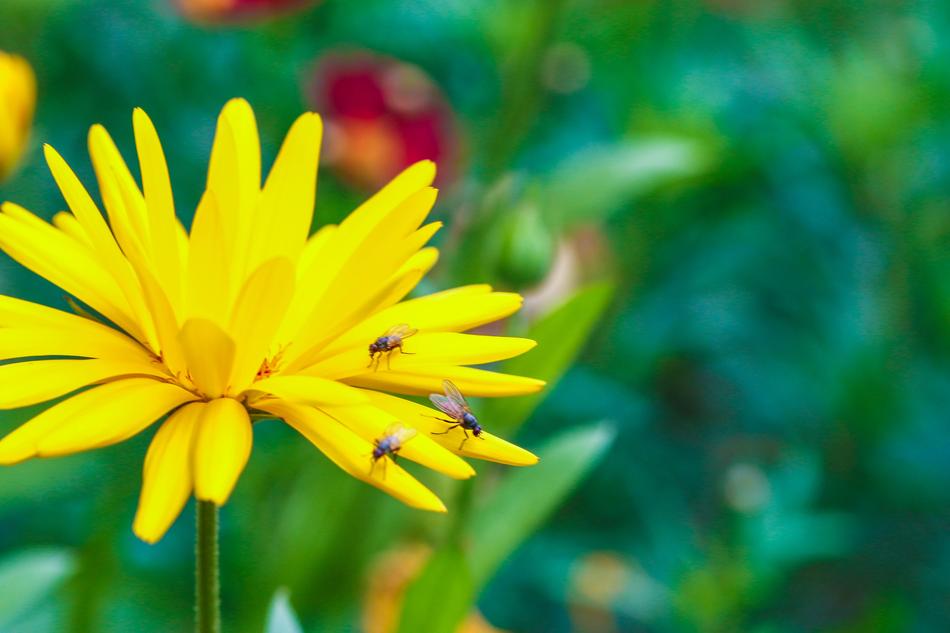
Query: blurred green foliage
[763,186]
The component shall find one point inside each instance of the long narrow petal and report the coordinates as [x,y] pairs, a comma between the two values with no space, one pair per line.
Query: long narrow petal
[209,354]
[166,322]
[98,417]
[97,233]
[363,279]
[16,312]
[370,423]
[309,390]
[258,311]
[68,224]
[222,448]
[309,287]
[209,263]
[167,477]
[157,188]
[455,310]
[24,342]
[282,222]
[32,382]
[429,421]
[59,259]
[423,380]
[436,348]
[353,454]
[387,200]
[115,178]
[234,178]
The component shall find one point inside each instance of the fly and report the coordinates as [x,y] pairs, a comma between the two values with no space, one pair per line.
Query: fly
[388,343]
[453,404]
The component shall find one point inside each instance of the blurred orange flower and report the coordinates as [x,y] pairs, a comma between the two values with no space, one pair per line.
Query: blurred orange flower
[17,103]
[382,115]
[224,9]
[388,581]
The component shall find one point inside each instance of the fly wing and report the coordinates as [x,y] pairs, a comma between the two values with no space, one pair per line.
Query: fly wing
[404,434]
[447,406]
[400,432]
[455,395]
[403,331]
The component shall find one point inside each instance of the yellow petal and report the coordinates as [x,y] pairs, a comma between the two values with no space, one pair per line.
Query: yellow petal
[423,380]
[222,448]
[167,475]
[98,417]
[386,200]
[209,354]
[97,233]
[309,284]
[309,390]
[258,311]
[435,348]
[157,188]
[18,312]
[282,222]
[362,281]
[31,382]
[234,177]
[450,311]
[314,339]
[209,263]
[79,333]
[68,224]
[123,200]
[61,260]
[23,342]
[411,273]
[429,421]
[354,454]
[166,322]
[370,423]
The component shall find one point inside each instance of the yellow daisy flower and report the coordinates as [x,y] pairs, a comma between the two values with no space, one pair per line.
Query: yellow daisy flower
[245,317]
[17,102]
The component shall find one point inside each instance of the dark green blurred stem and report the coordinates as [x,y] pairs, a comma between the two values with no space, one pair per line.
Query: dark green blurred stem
[522,91]
[207,582]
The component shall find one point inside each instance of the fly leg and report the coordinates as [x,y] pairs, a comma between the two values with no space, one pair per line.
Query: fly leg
[373,358]
[448,429]
[465,440]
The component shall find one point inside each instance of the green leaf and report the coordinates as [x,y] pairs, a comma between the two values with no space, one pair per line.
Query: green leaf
[560,336]
[441,596]
[527,497]
[280,616]
[591,186]
[29,578]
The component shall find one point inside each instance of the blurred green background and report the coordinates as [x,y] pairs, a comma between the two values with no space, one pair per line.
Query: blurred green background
[731,221]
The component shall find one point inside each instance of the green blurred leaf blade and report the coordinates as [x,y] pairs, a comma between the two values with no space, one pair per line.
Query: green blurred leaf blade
[440,597]
[560,336]
[594,184]
[28,579]
[527,497]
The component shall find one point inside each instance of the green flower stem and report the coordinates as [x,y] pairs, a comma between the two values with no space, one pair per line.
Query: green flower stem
[207,581]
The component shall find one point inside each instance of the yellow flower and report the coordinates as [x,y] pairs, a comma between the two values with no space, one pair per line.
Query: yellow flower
[244,317]
[17,102]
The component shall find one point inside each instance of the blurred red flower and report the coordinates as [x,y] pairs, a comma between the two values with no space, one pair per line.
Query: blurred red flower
[382,115]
